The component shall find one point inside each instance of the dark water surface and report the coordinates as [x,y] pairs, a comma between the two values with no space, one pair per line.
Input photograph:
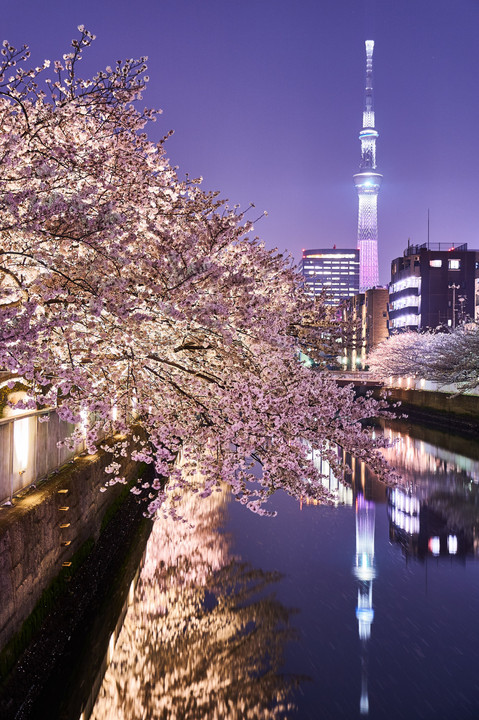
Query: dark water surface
[250,617]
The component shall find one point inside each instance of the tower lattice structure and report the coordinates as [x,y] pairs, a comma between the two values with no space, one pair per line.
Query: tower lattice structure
[368,182]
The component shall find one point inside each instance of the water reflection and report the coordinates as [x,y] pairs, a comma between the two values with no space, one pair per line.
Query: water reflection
[204,637]
[365,573]
[435,509]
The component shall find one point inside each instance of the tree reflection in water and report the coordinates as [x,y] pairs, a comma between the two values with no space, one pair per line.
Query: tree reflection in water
[201,640]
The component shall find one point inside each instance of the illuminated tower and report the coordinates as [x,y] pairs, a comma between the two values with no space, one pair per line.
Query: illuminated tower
[368,182]
[365,573]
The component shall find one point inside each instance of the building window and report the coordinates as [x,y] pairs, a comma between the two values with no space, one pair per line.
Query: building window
[435,263]
[454,264]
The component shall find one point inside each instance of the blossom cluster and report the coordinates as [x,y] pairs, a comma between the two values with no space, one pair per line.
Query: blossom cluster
[140,303]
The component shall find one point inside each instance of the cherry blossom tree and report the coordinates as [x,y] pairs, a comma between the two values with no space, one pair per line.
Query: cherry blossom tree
[446,358]
[141,306]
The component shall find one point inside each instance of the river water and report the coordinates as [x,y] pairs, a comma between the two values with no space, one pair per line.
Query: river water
[366,609]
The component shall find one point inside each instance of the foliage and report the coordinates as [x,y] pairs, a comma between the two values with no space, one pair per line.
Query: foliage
[446,358]
[129,294]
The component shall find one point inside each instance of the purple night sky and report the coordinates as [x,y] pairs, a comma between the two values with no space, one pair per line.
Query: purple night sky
[266,99]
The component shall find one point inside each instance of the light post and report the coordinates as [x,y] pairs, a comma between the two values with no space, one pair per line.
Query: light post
[454,287]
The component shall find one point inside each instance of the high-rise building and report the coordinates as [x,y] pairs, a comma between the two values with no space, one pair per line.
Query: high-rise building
[335,271]
[368,313]
[368,182]
[434,285]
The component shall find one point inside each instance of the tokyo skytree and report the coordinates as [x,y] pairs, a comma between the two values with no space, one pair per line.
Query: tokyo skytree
[368,182]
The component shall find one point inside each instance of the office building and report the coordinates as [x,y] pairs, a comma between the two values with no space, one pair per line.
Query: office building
[335,271]
[433,286]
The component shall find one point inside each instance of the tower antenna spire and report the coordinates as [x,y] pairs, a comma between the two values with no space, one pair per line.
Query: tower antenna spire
[368,182]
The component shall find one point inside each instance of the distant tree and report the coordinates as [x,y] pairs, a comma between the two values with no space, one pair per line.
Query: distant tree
[131,298]
[445,358]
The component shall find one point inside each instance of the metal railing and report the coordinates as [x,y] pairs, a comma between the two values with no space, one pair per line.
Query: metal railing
[30,449]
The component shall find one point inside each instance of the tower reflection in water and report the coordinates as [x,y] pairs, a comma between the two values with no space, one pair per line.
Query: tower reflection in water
[365,572]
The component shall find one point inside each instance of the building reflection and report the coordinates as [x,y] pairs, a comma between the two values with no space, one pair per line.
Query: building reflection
[434,510]
[204,637]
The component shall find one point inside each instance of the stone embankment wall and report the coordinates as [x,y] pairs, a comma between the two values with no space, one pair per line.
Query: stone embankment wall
[45,528]
[456,411]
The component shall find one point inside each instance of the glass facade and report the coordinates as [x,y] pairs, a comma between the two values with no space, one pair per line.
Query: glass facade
[334,271]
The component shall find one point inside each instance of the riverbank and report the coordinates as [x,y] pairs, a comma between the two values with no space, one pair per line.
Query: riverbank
[55,675]
[458,414]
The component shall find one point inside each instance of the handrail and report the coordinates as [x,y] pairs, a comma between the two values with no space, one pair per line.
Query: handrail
[27,413]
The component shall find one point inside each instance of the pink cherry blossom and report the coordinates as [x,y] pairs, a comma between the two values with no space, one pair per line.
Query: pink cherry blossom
[142,302]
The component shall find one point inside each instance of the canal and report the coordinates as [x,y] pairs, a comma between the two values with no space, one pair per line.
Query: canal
[365,609]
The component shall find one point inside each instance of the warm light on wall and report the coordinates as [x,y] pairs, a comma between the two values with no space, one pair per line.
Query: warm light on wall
[84,423]
[21,444]
[111,647]
[131,594]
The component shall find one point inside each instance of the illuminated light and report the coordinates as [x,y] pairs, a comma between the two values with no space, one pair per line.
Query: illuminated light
[409,301]
[111,647]
[365,614]
[63,491]
[411,282]
[84,422]
[452,544]
[64,508]
[21,444]
[67,563]
[423,382]
[66,543]
[65,525]
[434,545]
[331,256]
[131,593]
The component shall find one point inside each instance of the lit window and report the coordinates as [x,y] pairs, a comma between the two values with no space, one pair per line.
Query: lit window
[435,263]
[454,264]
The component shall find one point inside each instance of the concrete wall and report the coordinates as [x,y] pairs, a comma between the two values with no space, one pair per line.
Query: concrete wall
[458,407]
[33,545]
